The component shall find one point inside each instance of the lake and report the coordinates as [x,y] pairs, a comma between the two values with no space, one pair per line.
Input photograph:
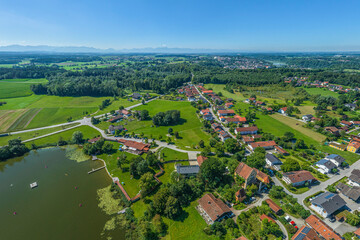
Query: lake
[63,206]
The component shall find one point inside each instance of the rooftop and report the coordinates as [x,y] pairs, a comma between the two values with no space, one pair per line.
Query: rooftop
[321,228]
[214,207]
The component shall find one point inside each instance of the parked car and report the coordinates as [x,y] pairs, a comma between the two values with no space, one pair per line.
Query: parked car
[292,223]
[288,218]
[332,219]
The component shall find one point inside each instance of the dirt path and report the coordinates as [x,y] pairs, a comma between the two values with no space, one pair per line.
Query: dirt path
[32,117]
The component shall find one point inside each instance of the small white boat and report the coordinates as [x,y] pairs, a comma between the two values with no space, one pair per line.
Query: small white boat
[33,185]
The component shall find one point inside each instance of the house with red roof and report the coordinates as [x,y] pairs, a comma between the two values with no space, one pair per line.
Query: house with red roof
[283,110]
[322,228]
[200,159]
[266,145]
[246,130]
[213,209]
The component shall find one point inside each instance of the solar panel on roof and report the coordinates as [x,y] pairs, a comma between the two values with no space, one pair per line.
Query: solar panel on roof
[306,229]
[300,236]
[329,196]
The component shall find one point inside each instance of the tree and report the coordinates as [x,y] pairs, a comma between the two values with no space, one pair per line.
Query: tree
[212,171]
[290,165]
[95,121]
[77,137]
[353,219]
[107,148]
[121,160]
[201,144]
[256,160]
[176,134]
[172,208]
[147,183]
[288,136]
[170,131]
[144,114]
[213,142]
[231,145]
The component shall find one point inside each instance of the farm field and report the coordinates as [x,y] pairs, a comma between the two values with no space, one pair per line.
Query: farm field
[33,134]
[9,117]
[298,125]
[12,88]
[322,91]
[189,130]
[87,131]
[34,111]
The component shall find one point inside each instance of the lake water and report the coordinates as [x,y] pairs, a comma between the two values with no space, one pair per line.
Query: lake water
[63,206]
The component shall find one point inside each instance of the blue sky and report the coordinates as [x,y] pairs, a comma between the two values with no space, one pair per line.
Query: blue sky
[251,25]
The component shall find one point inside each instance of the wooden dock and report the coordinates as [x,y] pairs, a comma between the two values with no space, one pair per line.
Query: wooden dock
[95,170]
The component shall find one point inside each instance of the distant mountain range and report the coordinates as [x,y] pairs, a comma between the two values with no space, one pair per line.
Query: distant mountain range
[72,49]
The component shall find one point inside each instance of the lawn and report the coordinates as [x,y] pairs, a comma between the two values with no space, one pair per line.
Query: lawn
[271,125]
[188,225]
[220,88]
[169,168]
[189,129]
[130,184]
[168,154]
[87,131]
[32,134]
[298,125]
[322,91]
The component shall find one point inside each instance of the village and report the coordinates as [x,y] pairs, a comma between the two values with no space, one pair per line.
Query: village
[329,187]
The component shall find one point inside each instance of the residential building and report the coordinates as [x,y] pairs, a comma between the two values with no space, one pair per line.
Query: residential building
[242,238]
[246,130]
[213,208]
[136,96]
[351,192]
[325,166]
[241,119]
[346,123]
[356,123]
[336,159]
[273,206]
[248,139]
[112,129]
[354,178]
[283,110]
[305,233]
[208,117]
[298,178]
[273,162]
[338,146]
[94,140]
[224,135]
[187,171]
[266,145]
[200,159]
[240,195]
[351,106]
[205,111]
[191,98]
[327,203]
[280,150]
[270,219]
[226,112]
[232,120]
[115,119]
[333,130]
[357,233]
[321,228]
[307,118]
[135,147]
[353,146]
[216,126]
[229,105]
[246,172]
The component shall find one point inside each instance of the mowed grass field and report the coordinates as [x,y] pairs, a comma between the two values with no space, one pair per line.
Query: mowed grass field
[220,88]
[9,117]
[322,91]
[189,129]
[298,125]
[12,88]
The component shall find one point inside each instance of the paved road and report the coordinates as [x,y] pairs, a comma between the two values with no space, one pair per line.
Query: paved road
[322,187]
[84,121]
[215,116]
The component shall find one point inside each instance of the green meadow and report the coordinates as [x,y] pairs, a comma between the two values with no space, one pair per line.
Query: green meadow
[189,128]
